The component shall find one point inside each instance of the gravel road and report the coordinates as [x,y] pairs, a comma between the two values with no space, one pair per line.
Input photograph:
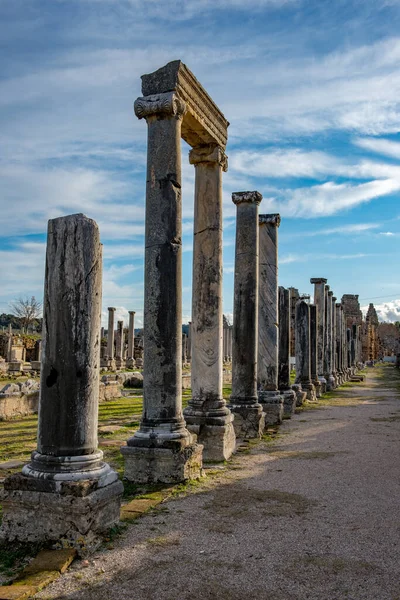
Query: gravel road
[313,515]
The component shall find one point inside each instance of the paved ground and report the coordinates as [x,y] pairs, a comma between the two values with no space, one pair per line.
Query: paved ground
[314,515]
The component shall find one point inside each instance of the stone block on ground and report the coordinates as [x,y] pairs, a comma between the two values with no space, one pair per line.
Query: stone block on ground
[16,592]
[36,580]
[51,560]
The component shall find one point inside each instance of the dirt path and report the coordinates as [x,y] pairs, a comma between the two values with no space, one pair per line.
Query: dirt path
[313,515]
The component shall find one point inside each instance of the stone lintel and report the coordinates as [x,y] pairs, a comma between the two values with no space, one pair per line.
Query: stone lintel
[209,153]
[318,280]
[250,197]
[203,122]
[272,219]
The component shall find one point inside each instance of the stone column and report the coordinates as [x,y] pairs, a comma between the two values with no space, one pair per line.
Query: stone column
[130,363]
[319,301]
[110,338]
[162,450]
[249,417]
[39,354]
[330,382]
[314,349]
[334,354]
[230,343]
[267,360]
[353,348]
[102,333]
[120,344]
[68,488]
[289,396]
[184,348]
[225,343]
[338,345]
[207,414]
[344,344]
[303,338]
[189,343]
[9,344]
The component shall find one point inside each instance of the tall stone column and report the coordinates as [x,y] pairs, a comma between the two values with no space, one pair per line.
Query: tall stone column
[120,344]
[338,341]
[184,348]
[68,488]
[207,414]
[110,338]
[289,396]
[225,343]
[162,450]
[230,328]
[303,354]
[102,333]
[334,353]
[319,301]
[330,382]
[344,344]
[130,363]
[189,343]
[314,349]
[267,360]
[249,417]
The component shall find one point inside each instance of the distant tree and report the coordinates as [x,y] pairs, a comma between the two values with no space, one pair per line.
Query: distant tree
[27,310]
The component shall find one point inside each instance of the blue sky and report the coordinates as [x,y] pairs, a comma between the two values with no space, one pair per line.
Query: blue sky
[311,89]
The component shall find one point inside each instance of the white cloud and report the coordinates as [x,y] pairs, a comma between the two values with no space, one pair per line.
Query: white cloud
[387,233]
[380,146]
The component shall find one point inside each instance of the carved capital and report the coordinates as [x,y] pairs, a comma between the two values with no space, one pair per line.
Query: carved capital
[273,219]
[334,299]
[112,308]
[249,197]
[330,293]
[318,280]
[210,153]
[168,104]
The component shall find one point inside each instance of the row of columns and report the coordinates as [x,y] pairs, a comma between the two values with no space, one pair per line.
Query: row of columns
[116,344]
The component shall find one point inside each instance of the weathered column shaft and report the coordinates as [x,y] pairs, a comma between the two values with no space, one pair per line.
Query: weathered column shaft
[334,356]
[120,340]
[314,348]
[319,301]
[289,397]
[71,354]
[131,335]
[207,408]
[302,344]
[244,399]
[267,361]
[110,332]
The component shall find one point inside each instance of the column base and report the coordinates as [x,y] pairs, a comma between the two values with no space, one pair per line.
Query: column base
[162,465]
[76,515]
[289,403]
[300,394]
[330,382]
[322,381]
[309,388]
[130,363]
[249,422]
[272,405]
[317,385]
[215,432]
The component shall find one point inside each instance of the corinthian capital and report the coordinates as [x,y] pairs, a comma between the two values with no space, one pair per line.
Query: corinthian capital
[273,219]
[250,197]
[168,103]
[209,153]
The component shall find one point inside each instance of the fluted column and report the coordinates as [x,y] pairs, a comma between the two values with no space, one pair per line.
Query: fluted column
[162,450]
[319,301]
[249,418]
[289,396]
[267,360]
[130,362]
[207,414]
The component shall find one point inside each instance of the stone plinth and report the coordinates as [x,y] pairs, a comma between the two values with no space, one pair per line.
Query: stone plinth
[267,361]
[207,414]
[289,395]
[249,417]
[67,491]
[162,450]
[303,362]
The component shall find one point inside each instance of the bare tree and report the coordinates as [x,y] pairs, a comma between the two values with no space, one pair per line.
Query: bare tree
[27,310]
